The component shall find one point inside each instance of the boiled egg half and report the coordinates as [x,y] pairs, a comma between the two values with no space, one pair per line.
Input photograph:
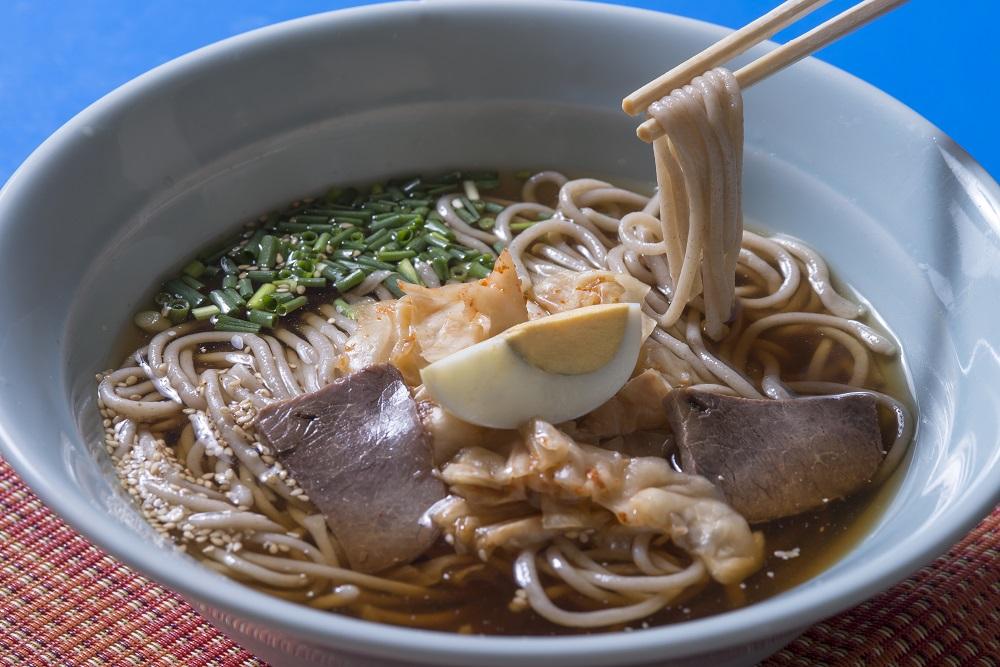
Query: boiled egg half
[556,367]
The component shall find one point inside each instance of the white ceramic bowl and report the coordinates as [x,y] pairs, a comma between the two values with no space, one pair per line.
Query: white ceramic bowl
[131,185]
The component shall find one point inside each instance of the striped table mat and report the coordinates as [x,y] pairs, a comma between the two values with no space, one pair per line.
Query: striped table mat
[63,601]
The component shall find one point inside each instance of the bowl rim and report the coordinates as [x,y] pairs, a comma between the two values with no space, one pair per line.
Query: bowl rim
[791,612]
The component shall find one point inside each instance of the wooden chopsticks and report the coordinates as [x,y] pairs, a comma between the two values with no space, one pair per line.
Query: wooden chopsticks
[748,36]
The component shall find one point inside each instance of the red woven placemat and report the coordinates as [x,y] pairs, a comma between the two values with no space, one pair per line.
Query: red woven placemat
[63,601]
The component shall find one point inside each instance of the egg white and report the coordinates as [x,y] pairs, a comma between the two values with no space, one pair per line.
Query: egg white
[492,385]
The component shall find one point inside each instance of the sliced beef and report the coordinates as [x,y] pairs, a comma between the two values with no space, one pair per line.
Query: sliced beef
[777,458]
[359,451]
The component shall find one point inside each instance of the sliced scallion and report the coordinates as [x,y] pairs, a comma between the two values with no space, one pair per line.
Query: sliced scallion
[263,318]
[350,281]
[268,252]
[194,268]
[344,308]
[224,301]
[235,324]
[205,312]
[291,304]
[181,289]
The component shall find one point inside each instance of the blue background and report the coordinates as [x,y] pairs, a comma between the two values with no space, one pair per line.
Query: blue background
[58,56]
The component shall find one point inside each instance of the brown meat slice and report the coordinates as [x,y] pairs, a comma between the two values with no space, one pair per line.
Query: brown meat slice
[777,458]
[359,451]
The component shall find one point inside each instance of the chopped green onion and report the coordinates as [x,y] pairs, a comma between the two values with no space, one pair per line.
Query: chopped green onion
[440,266]
[268,252]
[235,296]
[350,281]
[229,281]
[282,297]
[263,318]
[417,244]
[344,308]
[471,191]
[309,281]
[468,208]
[521,226]
[340,236]
[183,290]
[374,263]
[437,240]
[253,243]
[292,304]
[394,220]
[194,283]
[352,216]
[391,283]
[492,207]
[224,301]
[406,269]
[486,223]
[439,228]
[404,235]
[304,266]
[245,288]
[377,238]
[394,255]
[380,206]
[236,325]
[330,273]
[478,270]
[466,216]
[194,269]
[177,311]
[227,265]
[321,241]
[451,177]
[310,219]
[345,253]
[259,276]
[440,190]
[205,312]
